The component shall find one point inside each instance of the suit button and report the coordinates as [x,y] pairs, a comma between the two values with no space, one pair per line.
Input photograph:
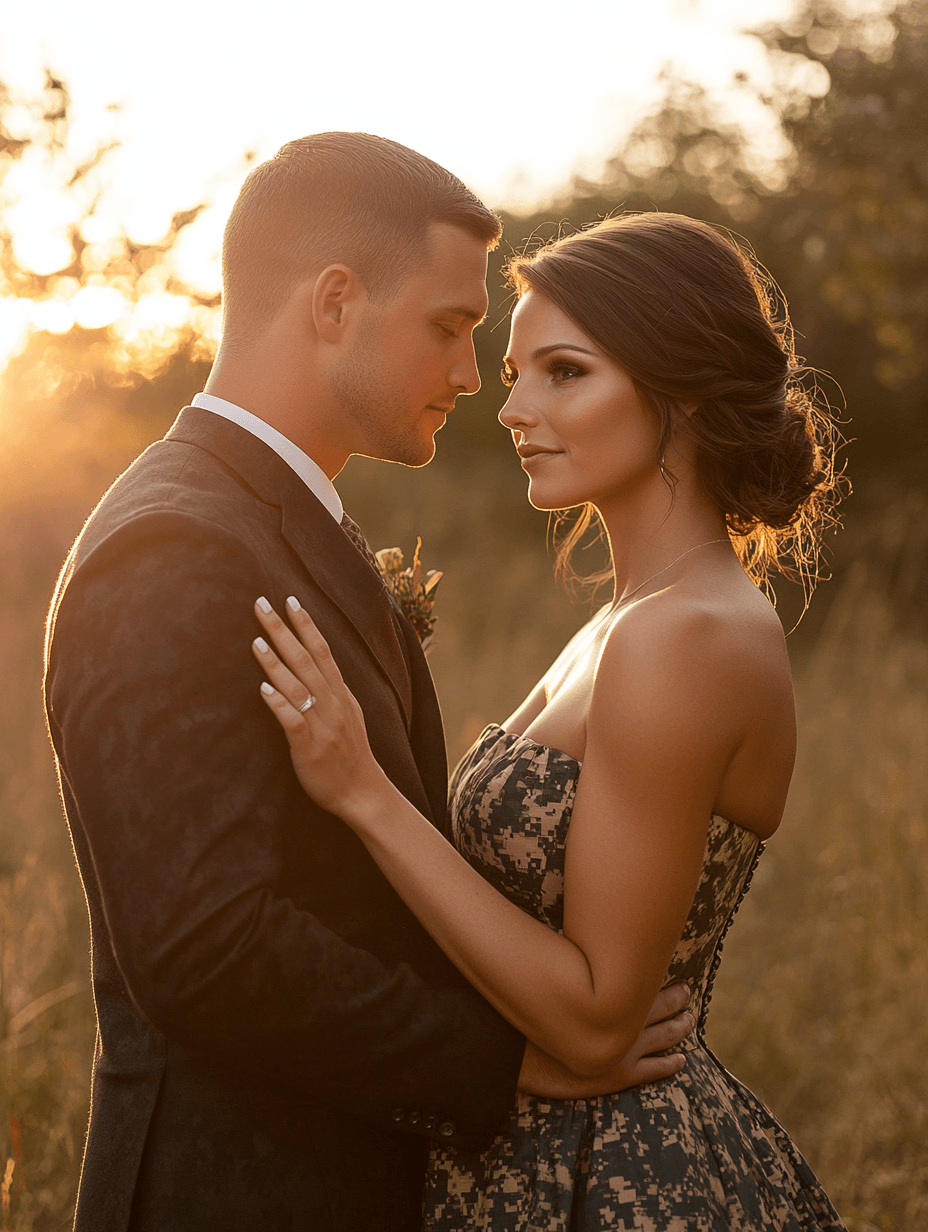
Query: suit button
[415,1118]
[397,1114]
[430,1123]
[446,1129]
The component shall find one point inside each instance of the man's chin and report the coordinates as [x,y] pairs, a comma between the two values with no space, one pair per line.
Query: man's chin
[413,453]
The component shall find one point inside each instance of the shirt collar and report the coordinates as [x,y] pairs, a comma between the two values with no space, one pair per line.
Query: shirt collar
[312,475]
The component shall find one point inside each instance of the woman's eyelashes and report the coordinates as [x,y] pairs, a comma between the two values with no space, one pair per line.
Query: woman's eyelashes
[559,370]
[562,370]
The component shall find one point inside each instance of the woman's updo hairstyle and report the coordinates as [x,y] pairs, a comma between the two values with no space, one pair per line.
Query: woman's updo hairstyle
[694,319]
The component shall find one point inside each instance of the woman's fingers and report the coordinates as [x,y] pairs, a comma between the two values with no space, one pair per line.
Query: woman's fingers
[314,642]
[290,650]
[290,719]
[295,686]
[304,651]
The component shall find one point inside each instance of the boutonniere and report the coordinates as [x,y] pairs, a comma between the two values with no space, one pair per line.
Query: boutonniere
[413,593]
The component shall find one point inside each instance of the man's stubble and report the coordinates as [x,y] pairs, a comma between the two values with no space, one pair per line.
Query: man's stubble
[362,388]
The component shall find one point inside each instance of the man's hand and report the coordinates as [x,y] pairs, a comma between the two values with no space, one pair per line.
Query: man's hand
[669,1023]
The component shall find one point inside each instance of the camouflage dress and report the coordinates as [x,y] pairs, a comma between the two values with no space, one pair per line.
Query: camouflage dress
[695,1153]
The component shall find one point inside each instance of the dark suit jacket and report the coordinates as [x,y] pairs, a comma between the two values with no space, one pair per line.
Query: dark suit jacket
[278,1036]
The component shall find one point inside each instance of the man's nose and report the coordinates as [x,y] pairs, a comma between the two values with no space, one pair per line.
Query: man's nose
[466,376]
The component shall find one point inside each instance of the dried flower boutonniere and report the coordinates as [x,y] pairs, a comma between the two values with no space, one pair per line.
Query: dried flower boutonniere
[414,595]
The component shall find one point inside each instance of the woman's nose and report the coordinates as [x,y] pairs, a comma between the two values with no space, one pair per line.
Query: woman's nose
[516,412]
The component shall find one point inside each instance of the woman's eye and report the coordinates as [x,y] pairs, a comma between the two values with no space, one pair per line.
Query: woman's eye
[561,371]
[447,330]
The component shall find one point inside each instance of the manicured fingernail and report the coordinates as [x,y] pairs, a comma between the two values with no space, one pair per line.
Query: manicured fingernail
[261,644]
[266,689]
[293,604]
[263,604]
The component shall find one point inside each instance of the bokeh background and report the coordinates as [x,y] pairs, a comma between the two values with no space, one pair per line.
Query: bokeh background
[807,136]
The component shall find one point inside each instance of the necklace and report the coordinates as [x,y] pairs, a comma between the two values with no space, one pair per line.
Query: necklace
[631,594]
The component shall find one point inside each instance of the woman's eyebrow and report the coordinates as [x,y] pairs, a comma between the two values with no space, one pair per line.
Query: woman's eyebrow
[561,346]
[546,350]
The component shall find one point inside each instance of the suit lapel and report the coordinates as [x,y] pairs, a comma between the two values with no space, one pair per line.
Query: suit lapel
[331,559]
[339,569]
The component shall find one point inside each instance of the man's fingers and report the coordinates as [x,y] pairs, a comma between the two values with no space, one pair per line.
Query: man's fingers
[659,1036]
[668,1002]
[654,1069]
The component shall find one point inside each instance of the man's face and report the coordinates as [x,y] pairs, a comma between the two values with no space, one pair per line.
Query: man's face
[412,355]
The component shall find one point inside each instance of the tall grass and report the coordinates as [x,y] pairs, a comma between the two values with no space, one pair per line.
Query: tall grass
[820,1003]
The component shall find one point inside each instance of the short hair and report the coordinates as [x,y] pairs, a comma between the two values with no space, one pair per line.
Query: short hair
[351,198]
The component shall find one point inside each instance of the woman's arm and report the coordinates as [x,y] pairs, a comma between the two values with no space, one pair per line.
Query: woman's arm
[658,740]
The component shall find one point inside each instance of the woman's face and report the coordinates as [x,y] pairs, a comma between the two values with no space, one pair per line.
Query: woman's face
[577,421]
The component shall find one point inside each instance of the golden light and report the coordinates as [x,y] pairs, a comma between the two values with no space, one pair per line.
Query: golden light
[96,307]
[40,250]
[161,310]
[52,316]
[14,327]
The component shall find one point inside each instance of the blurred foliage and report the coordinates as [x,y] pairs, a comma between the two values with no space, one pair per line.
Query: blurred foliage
[839,216]
[40,133]
[72,384]
[822,1009]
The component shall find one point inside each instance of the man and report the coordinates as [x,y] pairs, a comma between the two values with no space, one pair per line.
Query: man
[278,1037]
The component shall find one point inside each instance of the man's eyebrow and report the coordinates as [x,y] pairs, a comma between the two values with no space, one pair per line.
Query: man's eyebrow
[555,346]
[468,313]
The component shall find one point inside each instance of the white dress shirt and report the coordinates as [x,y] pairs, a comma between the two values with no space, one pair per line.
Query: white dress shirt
[301,463]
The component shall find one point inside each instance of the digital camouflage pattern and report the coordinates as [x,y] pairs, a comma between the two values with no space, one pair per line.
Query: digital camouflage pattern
[695,1153]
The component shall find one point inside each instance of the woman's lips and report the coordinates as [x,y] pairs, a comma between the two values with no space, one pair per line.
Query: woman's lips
[532,453]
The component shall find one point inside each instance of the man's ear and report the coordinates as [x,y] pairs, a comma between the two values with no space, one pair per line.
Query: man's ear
[335,295]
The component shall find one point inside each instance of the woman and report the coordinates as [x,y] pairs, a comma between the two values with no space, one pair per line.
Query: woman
[652,385]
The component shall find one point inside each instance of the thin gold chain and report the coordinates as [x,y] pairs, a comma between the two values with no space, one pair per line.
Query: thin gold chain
[631,594]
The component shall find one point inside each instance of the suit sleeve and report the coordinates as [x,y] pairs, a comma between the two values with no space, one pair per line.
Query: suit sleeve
[181,785]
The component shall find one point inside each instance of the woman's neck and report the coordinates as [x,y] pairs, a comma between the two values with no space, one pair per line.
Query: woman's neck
[649,534]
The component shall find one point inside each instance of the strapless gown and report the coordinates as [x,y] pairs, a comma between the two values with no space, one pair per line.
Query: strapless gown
[694,1153]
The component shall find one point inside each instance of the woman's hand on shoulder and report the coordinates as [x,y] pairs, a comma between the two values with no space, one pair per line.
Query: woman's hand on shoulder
[320,717]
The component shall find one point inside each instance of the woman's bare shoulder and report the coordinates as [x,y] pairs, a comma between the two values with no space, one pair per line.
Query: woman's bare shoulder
[699,644]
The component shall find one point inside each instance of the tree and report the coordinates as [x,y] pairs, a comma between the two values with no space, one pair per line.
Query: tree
[839,214]
[99,328]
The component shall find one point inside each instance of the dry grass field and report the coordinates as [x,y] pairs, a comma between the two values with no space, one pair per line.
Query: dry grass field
[820,1003]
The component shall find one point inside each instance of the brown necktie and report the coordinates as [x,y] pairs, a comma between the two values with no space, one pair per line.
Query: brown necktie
[356,535]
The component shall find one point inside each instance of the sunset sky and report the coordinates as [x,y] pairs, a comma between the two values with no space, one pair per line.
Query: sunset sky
[507,93]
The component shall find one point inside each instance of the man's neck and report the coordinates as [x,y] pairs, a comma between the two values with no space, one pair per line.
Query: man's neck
[290,402]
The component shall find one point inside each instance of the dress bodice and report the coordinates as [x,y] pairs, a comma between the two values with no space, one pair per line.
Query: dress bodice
[696,1150]
[511,803]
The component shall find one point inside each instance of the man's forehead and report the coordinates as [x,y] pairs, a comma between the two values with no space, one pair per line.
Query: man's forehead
[456,268]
